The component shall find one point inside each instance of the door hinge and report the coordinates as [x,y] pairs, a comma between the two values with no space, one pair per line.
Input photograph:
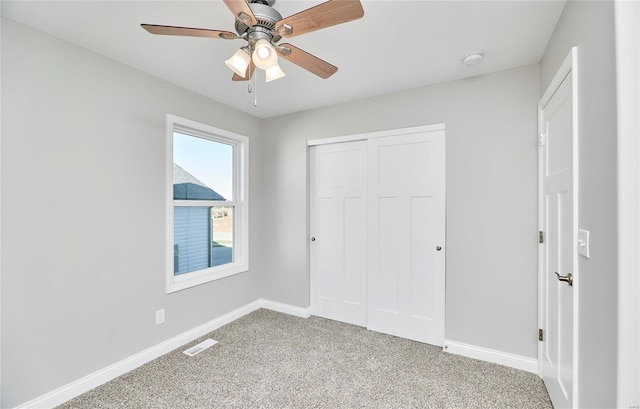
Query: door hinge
[541,139]
[540,237]
[540,335]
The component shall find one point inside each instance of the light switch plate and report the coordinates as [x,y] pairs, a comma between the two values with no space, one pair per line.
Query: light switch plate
[583,243]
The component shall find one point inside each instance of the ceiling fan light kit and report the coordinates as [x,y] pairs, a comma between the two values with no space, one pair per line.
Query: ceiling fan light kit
[264,54]
[273,73]
[239,62]
[262,26]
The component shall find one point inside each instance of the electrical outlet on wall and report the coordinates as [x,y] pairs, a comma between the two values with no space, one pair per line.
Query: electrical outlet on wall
[159,316]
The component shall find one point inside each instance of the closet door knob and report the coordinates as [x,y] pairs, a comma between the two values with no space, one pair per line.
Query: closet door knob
[438,248]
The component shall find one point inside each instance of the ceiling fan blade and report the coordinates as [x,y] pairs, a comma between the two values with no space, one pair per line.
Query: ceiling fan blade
[327,14]
[250,70]
[242,11]
[188,31]
[307,61]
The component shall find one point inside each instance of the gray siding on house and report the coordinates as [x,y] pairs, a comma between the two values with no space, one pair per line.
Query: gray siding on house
[191,238]
[191,225]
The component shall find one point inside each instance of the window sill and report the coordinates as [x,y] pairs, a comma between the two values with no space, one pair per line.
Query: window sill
[192,279]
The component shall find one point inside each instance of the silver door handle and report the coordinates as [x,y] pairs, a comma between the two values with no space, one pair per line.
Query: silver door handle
[313,239]
[567,279]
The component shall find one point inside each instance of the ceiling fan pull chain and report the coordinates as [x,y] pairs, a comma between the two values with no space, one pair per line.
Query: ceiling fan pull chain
[255,87]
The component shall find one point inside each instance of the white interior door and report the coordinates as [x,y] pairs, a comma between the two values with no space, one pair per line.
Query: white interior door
[338,225]
[406,197]
[559,251]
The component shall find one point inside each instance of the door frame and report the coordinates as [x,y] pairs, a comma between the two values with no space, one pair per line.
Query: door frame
[570,65]
[377,134]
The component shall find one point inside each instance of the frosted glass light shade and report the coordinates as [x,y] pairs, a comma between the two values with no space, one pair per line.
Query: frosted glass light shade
[264,55]
[274,73]
[239,62]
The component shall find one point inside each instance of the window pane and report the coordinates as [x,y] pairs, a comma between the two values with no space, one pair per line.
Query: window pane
[222,245]
[202,169]
[191,238]
[203,237]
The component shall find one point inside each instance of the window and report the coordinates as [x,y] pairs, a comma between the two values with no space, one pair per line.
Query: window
[207,211]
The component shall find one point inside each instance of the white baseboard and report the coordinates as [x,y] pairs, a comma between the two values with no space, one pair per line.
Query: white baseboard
[85,384]
[491,355]
[286,308]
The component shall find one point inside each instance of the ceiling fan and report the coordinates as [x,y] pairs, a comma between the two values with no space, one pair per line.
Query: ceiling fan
[262,26]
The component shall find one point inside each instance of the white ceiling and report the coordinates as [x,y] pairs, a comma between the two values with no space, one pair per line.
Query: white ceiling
[397,45]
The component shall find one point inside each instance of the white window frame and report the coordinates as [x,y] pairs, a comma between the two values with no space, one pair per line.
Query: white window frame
[240,202]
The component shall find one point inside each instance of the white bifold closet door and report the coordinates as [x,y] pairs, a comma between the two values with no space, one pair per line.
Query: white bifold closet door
[378,231]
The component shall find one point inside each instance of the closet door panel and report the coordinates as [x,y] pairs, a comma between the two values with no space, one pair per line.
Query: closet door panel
[406,232]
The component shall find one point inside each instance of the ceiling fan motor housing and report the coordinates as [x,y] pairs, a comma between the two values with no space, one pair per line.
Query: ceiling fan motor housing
[266,17]
[267,2]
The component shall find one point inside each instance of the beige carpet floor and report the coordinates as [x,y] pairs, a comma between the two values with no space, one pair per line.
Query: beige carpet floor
[272,360]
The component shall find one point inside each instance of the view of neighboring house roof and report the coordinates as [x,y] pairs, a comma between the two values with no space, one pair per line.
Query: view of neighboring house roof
[188,187]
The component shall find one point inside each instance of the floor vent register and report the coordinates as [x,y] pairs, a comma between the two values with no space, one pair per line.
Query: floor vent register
[196,349]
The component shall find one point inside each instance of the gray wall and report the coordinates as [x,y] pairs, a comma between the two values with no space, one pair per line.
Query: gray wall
[590,27]
[83,238]
[627,18]
[491,167]
[82,191]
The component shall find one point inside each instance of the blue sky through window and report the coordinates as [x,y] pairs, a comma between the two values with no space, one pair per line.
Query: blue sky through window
[209,161]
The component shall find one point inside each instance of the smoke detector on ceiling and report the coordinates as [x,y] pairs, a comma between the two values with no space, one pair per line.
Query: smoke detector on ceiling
[473,58]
